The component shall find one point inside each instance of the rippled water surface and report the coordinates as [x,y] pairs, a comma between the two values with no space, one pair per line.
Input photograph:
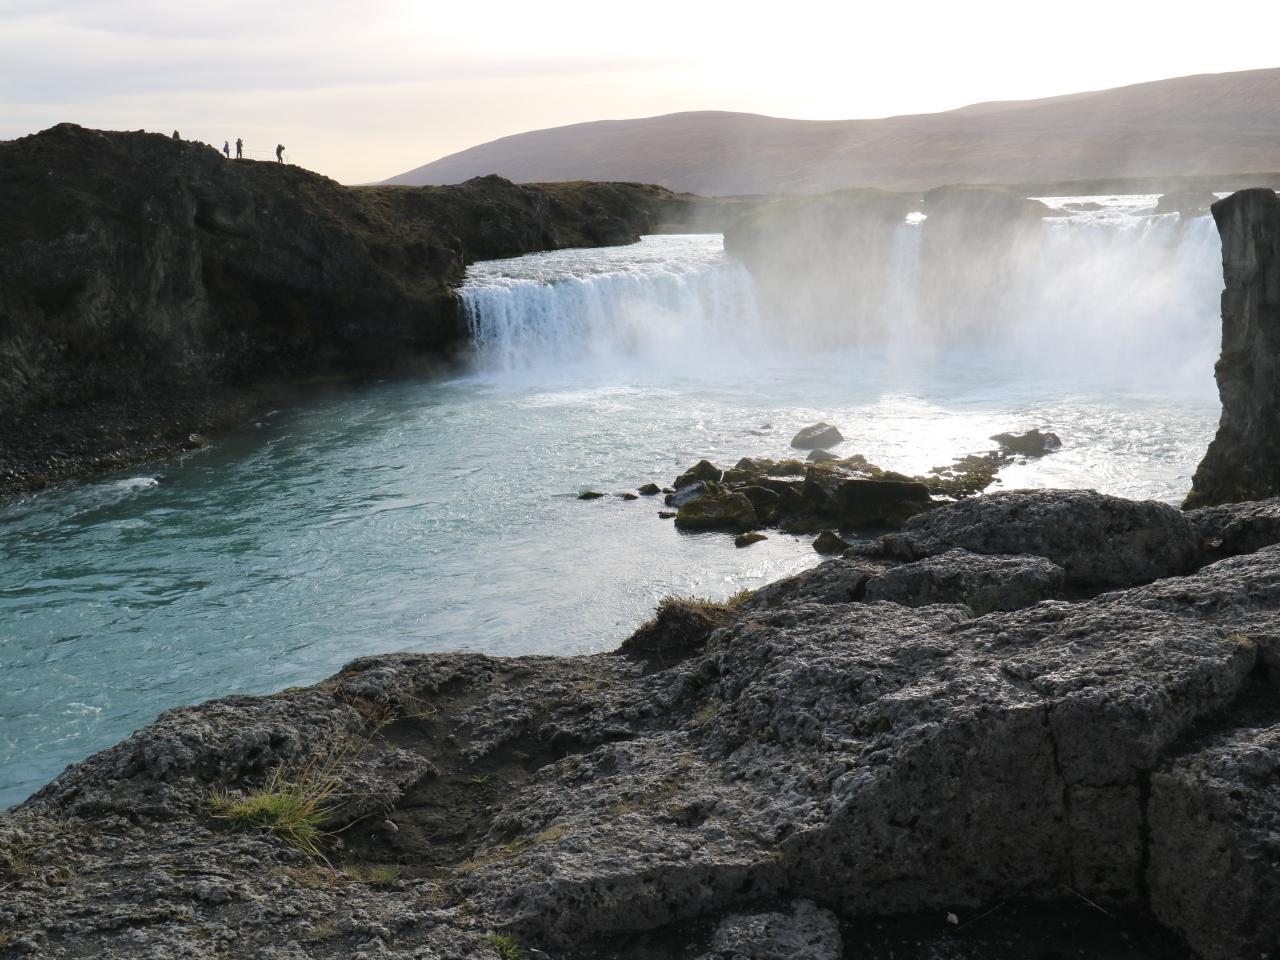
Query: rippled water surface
[443,515]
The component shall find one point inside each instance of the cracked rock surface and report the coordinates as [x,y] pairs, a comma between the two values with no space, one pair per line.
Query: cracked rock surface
[800,765]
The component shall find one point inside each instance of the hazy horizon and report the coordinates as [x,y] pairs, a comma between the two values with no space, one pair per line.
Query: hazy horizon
[361,97]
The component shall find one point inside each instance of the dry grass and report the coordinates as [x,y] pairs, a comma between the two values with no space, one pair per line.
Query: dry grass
[380,876]
[506,947]
[293,811]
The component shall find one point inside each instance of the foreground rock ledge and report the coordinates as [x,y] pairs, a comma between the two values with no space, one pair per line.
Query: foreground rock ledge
[850,758]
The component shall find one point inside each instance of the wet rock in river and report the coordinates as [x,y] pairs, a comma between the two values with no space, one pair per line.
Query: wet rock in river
[828,541]
[747,539]
[1033,443]
[821,456]
[817,435]
[856,502]
[693,491]
[719,511]
[702,470]
[650,490]
[590,495]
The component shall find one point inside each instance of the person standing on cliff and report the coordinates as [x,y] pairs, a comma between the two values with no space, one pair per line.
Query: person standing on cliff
[175,135]
[280,153]
[239,148]
[226,148]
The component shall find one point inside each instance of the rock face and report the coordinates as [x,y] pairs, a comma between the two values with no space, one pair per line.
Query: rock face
[142,279]
[982,583]
[1243,461]
[1098,540]
[1234,528]
[805,932]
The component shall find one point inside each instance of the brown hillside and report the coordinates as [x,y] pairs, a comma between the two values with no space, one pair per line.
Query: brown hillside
[1211,123]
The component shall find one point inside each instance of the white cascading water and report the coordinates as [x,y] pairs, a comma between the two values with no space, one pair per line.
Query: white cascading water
[1103,292]
[664,301]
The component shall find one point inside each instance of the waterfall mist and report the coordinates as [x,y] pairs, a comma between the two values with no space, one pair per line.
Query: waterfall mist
[1115,293]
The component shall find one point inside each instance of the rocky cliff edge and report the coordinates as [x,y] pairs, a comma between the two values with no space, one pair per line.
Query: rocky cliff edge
[149,287]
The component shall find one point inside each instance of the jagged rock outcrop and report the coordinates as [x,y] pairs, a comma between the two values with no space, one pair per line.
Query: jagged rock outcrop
[1243,461]
[865,755]
[146,282]
[1098,540]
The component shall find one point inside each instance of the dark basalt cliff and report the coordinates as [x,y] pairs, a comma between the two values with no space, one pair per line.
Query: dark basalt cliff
[1243,461]
[148,284]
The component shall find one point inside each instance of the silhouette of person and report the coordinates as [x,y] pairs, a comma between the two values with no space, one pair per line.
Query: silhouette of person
[239,149]
[226,148]
[175,135]
[280,152]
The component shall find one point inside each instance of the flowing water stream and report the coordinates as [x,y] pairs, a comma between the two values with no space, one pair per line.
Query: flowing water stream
[443,515]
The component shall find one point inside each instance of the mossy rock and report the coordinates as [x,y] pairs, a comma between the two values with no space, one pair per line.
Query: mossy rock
[702,470]
[721,512]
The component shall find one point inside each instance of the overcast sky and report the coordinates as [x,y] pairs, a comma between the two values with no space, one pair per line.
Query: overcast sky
[364,90]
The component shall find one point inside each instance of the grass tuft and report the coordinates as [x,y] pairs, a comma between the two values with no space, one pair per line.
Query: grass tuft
[380,876]
[294,811]
[506,947]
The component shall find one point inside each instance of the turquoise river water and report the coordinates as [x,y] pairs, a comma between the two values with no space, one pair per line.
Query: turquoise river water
[442,515]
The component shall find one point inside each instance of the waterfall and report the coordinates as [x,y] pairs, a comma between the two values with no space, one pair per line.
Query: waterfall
[605,308]
[1113,295]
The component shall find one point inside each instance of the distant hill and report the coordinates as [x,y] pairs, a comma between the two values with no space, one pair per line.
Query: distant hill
[1211,123]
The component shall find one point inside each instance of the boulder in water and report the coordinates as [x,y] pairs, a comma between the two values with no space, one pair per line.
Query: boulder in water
[691,492]
[858,502]
[719,511]
[817,435]
[821,456]
[666,514]
[1033,443]
[747,539]
[650,490]
[828,541]
[627,495]
[590,495]
[702,470]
